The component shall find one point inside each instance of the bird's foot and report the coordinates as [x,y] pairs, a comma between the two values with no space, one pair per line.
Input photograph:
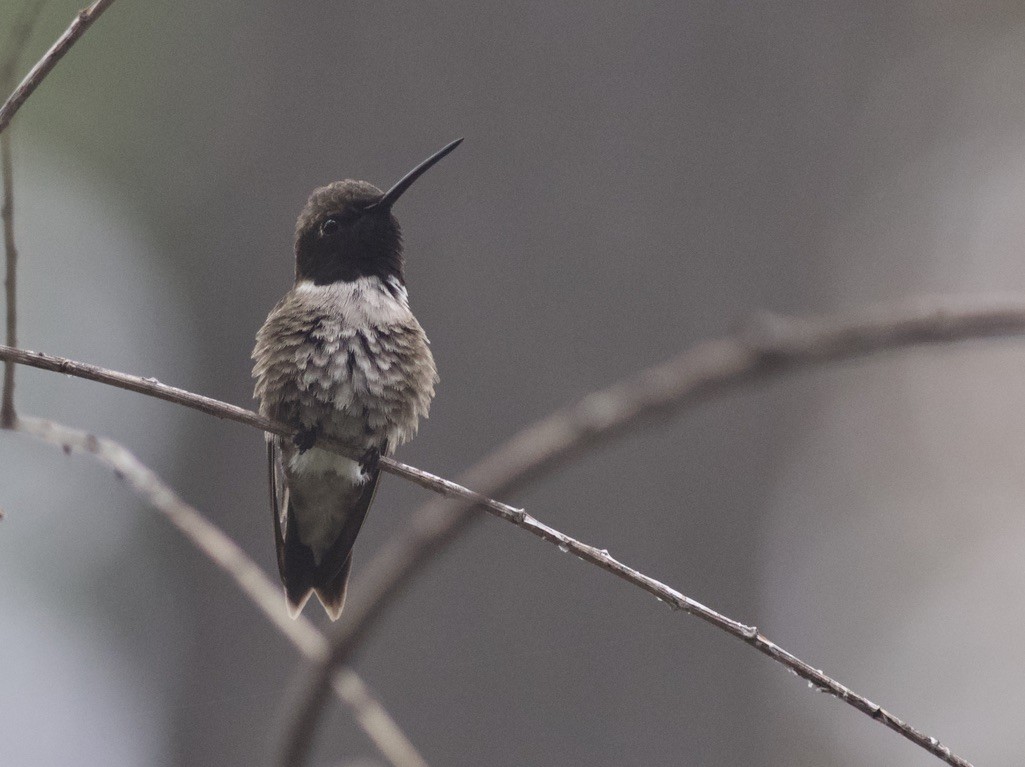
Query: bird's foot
[369,462]
[305,438]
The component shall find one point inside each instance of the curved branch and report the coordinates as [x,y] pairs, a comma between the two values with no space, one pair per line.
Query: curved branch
[83,20]
[770,347]
[227,555]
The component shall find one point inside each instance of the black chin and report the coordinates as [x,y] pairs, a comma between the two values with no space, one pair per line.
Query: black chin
[331,272]
[371,247]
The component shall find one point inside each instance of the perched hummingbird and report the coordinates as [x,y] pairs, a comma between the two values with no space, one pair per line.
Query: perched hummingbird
[341,356]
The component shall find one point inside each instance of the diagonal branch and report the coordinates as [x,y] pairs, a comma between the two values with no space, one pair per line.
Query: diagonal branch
[770,348]
[227,555]
[83,20]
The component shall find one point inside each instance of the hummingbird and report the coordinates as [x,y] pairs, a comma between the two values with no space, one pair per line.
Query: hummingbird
[341,356]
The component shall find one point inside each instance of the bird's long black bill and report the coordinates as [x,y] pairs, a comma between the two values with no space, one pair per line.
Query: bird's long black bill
[407,181]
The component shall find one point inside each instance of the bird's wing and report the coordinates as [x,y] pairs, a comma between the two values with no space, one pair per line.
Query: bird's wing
[278,497]
[338,553]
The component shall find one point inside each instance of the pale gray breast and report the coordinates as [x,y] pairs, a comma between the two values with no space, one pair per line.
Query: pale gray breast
[346,354]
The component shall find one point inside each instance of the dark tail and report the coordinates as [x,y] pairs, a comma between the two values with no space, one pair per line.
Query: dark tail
[302,577]
[301,573]
[298,570]
[332,593]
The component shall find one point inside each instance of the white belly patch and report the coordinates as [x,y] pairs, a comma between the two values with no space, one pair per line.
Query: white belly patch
[317,461]
[320,520]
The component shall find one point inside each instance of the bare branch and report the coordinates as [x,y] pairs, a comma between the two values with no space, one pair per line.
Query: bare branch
[227,555]
[38,73]
[10,279]
[771,347]
[21,32]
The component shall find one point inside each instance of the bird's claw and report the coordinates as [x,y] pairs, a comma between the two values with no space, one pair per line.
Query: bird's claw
[369,462]
[305,438]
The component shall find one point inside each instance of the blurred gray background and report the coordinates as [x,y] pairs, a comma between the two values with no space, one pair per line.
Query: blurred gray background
[635,177]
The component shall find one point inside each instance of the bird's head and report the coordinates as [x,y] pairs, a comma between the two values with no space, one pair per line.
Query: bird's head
[347,230]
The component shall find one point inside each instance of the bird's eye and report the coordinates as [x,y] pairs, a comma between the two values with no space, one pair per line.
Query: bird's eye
[329,227]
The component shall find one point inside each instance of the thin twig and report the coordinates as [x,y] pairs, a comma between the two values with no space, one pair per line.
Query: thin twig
[10,279]
[227,555]
[83,20]
[20,34]
[771,347]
